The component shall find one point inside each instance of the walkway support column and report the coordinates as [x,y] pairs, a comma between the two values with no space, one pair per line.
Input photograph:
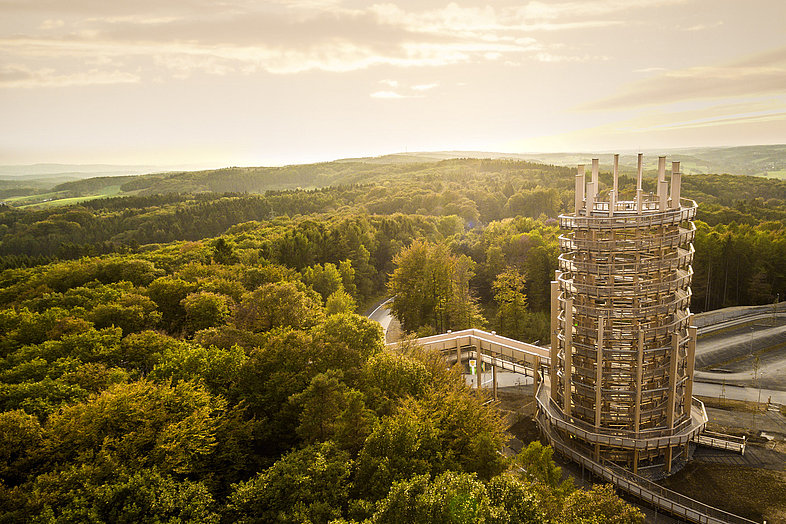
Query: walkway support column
[479,365]
[692,331]
[494,380]
[568,355]
[554,340]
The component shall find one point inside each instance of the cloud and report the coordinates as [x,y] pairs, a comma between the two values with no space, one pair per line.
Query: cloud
[389,95]
[22,76]
[425,87]
[51,24]
[702,27]
[756,75]
[650,70]
[182,37]
[550,11]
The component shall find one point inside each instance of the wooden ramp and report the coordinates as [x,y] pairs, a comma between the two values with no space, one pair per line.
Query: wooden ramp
[710,439]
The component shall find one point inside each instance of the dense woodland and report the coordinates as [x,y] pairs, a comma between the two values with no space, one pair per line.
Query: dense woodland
[198,357]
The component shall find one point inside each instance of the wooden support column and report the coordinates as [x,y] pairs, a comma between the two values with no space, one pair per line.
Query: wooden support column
[615,173]
[458,353]
[661,188]
[614,193]
[479,365]
[592,187]
[669,456]
[494,380]
[663,195]
[676,184]
[554,340]
[639,190]
[599,373]
[580,187]
[568,355]
[536,375]
[639,371]
[675,341]
[691,363]
[639,171]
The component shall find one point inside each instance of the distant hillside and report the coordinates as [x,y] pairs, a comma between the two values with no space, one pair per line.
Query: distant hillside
[763,160]
[27,190]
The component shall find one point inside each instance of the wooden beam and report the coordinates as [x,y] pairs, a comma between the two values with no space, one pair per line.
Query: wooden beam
[554,339]
[639,372]
[568,373]
[675,342]
[599,373]
[691,364]
[494,380]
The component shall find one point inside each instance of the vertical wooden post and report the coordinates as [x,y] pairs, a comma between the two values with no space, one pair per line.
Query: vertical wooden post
[669,455]
[479,365]
[536,374]
[616,174]
[639,171]
[675,356]
[568,355]
[639,190]
[674,195]
[639,371]
[554,339]
[494,380]
[663,195]
[691,363]
[661,188]
[599,373]
[675,344]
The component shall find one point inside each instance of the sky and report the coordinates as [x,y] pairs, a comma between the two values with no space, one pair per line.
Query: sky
[249,82]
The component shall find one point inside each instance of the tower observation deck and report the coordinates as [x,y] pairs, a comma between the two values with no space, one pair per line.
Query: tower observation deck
[622,342]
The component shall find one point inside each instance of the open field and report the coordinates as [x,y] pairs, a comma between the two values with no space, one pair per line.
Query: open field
[751,355]
[757,494]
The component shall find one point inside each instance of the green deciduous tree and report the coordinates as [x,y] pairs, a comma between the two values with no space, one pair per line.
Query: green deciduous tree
[430,287]
[308,485]
[599,505]
[282,304]
[205,309]
[340,302]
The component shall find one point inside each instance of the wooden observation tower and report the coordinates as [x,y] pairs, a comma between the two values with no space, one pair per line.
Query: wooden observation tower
[622,343]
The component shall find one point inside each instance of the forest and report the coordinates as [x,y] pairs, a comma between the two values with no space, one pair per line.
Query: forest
[199,356]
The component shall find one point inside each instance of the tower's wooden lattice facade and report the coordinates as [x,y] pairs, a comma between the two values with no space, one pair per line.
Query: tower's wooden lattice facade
[622,345]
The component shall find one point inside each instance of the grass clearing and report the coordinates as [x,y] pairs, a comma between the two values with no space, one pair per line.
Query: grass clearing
[52,200]
[757,494]
[745,406]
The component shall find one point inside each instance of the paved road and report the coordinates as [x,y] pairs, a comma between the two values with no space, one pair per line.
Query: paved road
[731,355]
[381,313]
[730,391]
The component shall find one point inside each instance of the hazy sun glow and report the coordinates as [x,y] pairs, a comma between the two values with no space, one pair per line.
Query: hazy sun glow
[289,81]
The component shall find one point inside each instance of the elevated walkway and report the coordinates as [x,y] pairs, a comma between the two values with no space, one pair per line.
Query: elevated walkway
[527,359]
[642,441]
[664,499]
[710,439]
[505,353]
